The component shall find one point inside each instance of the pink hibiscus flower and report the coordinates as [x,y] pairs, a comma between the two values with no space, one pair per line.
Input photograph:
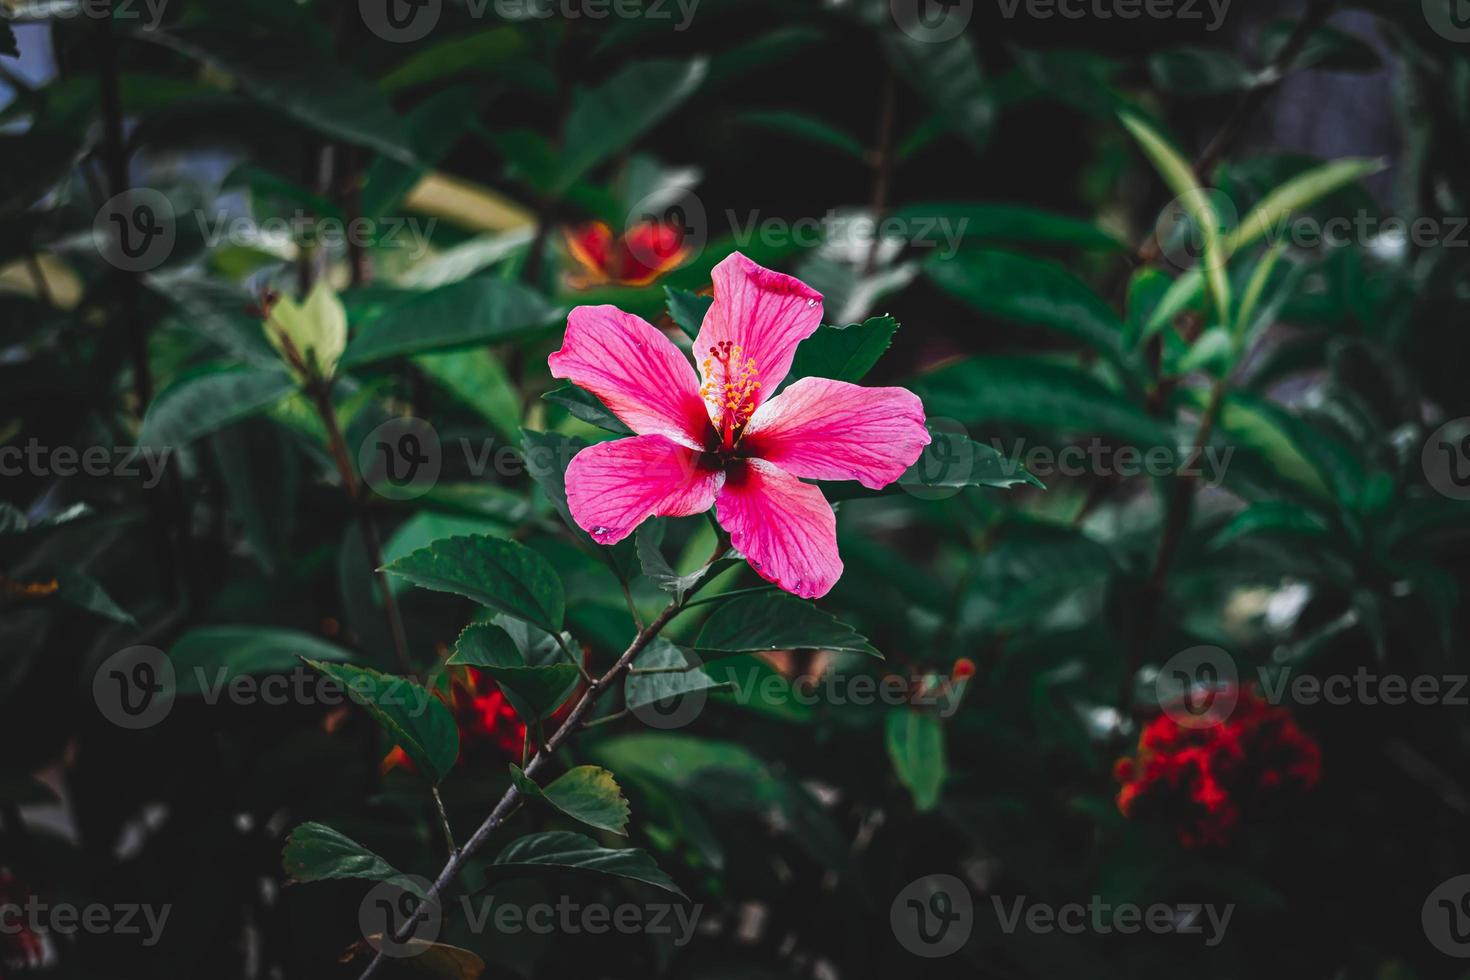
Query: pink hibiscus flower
[714,439]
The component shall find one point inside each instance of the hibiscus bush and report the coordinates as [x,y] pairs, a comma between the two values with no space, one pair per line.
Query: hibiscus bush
[723,488]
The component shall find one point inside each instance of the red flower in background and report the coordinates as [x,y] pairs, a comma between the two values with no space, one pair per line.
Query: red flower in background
[1203,780]
[648,250]
[21,948]
[488,725]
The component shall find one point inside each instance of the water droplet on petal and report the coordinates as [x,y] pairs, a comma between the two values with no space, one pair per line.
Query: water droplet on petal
[810,303]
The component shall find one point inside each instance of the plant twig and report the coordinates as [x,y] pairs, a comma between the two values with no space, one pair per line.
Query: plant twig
[882,160]
[1176,520]
[320,392]
[513,795]
[444,821]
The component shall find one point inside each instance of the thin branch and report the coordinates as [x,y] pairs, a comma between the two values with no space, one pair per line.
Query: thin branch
[882,159]
[321,396]
[512,795]
[444,822]
[576,660]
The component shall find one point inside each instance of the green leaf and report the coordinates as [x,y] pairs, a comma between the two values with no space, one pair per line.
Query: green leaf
[85,592]
[494,572]
[688,309]
[1003,224]
[476,377]
[207,399]
[953,459]
[586,406]
[776,621]
[608,118]
[586,793]
[414,719]
[1326,48]
[644,689]
[949,76]
[316,852]
[1271,517]
[297,79]
[1268,217]
[844,353]
[1196,72]
[915,741]
[1270,213]
[435,125]
[465,313]
[803,126]
[207,657]
[657,568]
[1040,393]
[498,49]
[1179,175]
[578,852]
[1031,291]
[534,691]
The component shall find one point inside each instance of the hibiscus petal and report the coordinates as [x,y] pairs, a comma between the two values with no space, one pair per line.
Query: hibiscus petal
[764,313]
[637,372]
[822,429]
[612,487]
[784,528]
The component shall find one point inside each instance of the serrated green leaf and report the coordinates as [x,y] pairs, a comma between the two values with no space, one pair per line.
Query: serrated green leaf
[844,353]
[533,690]
[414,719]
[776,621]
[495,572]
[316,852]
[644,689]
[687,309]
[586,793]
[578,852]
[586,406]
